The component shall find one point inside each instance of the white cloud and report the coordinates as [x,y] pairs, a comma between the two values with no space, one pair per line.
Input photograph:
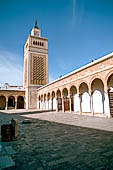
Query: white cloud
[74,9]
[74,15]
[77,14]
[11,68]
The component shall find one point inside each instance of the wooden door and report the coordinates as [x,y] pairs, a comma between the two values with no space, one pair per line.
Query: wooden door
[111,103]
[66,104]
[59,104]
[72,104]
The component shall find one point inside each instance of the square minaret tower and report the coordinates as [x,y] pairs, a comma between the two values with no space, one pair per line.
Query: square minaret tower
[35,65]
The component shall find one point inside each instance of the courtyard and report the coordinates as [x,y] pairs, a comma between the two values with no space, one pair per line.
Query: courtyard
[57,141]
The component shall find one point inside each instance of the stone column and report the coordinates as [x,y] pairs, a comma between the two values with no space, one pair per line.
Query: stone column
[52,103]
[15,105]
[80,109]
[103,99]
[62,104]
[48,104]
[6,104]
[56,105]
[106,103]
[41,105]
[45,104]
[15,102]
[38,104]
[91,103]
[70,103]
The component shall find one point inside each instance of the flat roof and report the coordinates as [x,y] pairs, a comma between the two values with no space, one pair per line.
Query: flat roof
[18,90]
[79,69]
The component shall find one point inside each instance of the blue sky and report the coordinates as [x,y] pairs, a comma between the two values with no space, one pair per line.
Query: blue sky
[78,31]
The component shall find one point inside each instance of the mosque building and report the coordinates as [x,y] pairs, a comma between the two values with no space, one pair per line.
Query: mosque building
[87,90]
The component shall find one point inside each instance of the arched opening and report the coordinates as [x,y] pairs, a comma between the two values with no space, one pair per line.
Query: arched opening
[84,98]
[53,101]
[110,93]
[2,102]
[58,94]
[74,99]
[97,88]
[110,83]
[11,102]
[20,102]
[66,99]
[65,93]
[59,100]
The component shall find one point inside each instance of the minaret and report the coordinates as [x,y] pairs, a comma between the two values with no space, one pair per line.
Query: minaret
[35,65]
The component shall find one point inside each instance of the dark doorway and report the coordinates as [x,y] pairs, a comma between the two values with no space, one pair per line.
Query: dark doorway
[72,103]
[111,103]
[11,102]
[20,102]
[2,103]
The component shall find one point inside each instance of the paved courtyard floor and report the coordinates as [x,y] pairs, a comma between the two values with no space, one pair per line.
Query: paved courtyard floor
[58,141]
[75,119]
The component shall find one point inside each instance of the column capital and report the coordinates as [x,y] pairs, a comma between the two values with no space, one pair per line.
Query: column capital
[69,94]
[106,90]
[61,95]
[63,105]
[90,92]
[6,105]
[6,98]
[15,98]
[15,104]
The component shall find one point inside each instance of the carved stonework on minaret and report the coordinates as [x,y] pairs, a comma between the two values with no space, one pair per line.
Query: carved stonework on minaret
[38,65]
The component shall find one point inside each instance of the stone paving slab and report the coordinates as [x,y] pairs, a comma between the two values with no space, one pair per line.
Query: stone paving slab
[6,161]
[76,120]
[10,150]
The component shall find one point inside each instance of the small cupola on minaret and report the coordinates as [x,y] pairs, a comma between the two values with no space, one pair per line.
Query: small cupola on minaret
[36,31]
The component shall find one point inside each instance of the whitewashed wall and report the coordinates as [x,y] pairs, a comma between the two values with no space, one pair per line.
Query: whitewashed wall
[97,102]
[106,105]
[54,104]
[49,104]
[76,103]
[85,102]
